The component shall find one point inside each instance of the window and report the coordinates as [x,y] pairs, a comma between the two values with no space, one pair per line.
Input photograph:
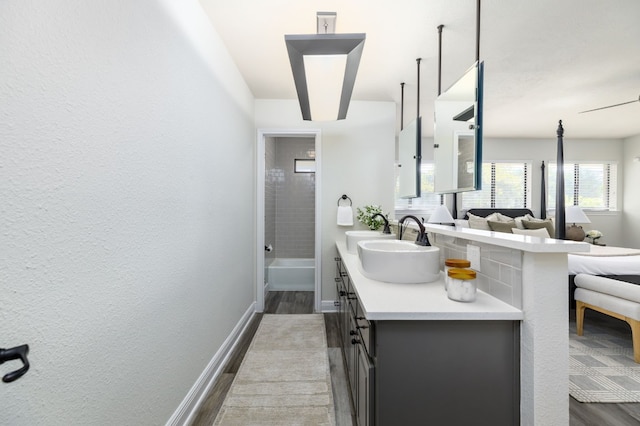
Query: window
[592,186]
[303,165]
[428,201]
[504,185]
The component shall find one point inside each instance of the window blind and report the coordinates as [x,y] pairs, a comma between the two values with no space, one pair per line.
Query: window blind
[505,185]
[588,185]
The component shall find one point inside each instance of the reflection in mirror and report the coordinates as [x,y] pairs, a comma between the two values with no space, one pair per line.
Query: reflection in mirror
[409,154]
[458,134]
[464,145]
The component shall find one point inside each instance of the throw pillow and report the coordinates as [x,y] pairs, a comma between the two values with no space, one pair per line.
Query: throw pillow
[546,223]
[541,232]
[519,220]
[479,222]
[503,217]
[499,226]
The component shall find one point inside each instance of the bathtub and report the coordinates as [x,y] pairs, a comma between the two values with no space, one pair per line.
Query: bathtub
[291,274]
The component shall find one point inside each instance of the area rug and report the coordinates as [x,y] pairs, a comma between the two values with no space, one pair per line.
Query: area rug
[601,367]
[284,378]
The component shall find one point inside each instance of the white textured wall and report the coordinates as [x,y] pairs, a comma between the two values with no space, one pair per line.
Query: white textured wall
[630,225]
[126,149]
[357,159]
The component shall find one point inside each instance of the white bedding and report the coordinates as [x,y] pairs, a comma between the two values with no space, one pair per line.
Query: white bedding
[605,261]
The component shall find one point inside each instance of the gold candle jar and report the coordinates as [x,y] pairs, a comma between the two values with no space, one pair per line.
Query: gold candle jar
[453,263]
[462,285]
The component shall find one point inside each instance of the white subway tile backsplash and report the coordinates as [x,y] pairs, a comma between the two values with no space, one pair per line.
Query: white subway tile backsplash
[502,291]
[500,268]
[517,288]
[506,274]
[516,259]
[500,254]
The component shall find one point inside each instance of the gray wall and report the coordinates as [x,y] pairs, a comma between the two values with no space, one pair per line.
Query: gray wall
[295,200]
[272,175]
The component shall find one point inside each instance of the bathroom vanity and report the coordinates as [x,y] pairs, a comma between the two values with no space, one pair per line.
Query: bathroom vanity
[415,357]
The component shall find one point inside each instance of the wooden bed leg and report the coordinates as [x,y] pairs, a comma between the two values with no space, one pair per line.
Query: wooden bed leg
[635,337]
[580,307]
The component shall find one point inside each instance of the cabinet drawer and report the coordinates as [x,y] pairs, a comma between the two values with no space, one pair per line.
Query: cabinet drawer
[365,327]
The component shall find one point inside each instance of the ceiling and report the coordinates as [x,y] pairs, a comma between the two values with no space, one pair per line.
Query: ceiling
[545,60]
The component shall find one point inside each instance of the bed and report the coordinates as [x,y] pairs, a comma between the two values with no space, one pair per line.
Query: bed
[618,263]
[606,261]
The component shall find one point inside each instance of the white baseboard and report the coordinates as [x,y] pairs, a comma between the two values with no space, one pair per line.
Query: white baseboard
[329,306]
[188,408]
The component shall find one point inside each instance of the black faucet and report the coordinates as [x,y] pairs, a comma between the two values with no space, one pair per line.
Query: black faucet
[422,239]
[386,229]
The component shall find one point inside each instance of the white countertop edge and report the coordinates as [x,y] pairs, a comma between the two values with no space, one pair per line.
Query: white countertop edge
[503,239]
[473,311]
[447,316]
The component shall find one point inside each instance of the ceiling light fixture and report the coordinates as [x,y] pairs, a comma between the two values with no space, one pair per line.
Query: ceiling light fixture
[324,67]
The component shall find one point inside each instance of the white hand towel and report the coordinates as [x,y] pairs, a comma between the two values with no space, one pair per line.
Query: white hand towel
[345,216]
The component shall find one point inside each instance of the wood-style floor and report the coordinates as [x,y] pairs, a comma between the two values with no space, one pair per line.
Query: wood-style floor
[581,414]
[282,302]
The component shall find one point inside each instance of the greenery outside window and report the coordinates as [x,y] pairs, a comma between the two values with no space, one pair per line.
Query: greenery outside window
[504,185]
[592,186]
[427,202]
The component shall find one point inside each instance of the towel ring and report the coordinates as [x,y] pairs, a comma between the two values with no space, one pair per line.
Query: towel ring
[344,197]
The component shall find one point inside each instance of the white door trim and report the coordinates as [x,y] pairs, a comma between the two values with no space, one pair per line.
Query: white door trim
[260,211]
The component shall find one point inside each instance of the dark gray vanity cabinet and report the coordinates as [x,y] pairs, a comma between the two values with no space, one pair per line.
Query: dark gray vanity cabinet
[355,336]
[447,373]
[429,372]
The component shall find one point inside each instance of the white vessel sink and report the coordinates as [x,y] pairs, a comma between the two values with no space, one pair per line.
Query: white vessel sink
[354,236]
[397,261]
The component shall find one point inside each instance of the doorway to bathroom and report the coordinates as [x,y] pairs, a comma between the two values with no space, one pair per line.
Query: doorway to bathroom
[288,215]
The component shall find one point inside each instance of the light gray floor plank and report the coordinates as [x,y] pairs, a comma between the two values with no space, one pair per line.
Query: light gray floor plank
[333,334]
[339,388]
[211,405]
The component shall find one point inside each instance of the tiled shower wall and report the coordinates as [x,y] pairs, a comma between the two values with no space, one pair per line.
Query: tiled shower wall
[289,199]
[270,181]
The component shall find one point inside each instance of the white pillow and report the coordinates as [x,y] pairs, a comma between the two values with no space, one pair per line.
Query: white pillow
[503,217]
[540,232]
[479,222]
[533,219]
[519,220]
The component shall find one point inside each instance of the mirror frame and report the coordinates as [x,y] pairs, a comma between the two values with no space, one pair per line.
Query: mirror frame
[411,139]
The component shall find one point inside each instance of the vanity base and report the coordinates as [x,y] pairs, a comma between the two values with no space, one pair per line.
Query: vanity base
[447,372]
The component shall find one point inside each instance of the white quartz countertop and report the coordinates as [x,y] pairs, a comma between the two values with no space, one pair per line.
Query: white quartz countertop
[513,241]
[428,301]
